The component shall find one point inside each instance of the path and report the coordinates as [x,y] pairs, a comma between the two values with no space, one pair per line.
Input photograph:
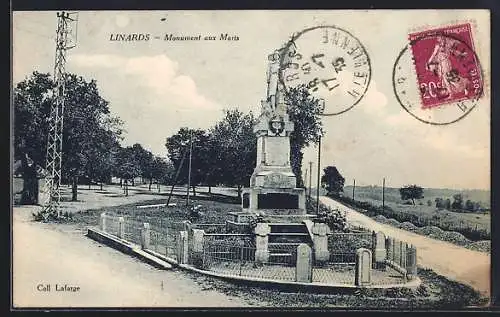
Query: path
[457,263]
[61,254]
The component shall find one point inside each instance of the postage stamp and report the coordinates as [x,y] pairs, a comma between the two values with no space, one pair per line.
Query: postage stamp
[446,66]
[437,77]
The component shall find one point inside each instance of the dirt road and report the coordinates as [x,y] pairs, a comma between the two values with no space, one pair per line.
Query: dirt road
[48,254]
[456,263]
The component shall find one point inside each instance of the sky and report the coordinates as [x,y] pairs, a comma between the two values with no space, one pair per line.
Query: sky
[156,86]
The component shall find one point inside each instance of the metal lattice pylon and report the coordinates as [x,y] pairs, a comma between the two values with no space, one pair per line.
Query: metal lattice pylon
[56,120]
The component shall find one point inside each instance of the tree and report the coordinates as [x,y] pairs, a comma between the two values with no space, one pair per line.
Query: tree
[411,192]
[332,181]
[86,113]
[102,156]
[469,205]
[457,202]
[305,112]
[178,145]
[447,204]
[127,165]
[234,147]
[144,159]
[439,203]
[32,101]
[162,171]
[86,118]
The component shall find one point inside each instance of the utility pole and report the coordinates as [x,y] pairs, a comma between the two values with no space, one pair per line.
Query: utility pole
[176,177]
[353,188]
[305,180]
[317,182]
[310,178]
[55,136]
[383,194]
[189,168]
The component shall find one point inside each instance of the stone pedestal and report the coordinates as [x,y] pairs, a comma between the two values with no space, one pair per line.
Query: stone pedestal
[389,246]
[121,227]
[411,261]
[303,268]
[102,222]
[273,189]
[379,251]
[182,247]
[320,240]
[262,231]
[363,274]
[197,248]
[145,236]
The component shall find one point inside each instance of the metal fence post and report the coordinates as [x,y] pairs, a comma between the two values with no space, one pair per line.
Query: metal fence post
[241,255]
[121,227]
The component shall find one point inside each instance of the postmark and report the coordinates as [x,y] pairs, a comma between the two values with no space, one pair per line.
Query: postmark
[332,63]
[437,78]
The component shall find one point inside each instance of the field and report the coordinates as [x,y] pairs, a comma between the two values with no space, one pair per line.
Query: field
[474,220]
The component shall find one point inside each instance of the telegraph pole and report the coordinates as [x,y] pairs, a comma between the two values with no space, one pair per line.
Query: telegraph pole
[317,182]
[383,194]
[189,168]
[55,136]
[305,180]
[310,177]
[353,188]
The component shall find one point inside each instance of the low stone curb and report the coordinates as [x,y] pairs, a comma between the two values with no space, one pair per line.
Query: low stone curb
[152,256]
[127,248]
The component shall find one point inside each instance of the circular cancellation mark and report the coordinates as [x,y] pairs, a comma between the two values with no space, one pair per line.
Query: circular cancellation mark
[331,63]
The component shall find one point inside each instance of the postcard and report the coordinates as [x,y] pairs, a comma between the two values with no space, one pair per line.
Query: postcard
[334,159]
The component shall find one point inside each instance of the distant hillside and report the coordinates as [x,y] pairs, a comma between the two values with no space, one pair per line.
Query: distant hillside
[392,194]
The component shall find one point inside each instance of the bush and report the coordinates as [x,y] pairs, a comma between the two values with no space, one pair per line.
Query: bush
[482,246]
[335,220]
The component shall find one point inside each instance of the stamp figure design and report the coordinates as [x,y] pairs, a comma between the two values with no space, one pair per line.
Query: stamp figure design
[448,74]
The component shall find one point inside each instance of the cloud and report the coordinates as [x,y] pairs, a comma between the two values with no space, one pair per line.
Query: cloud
[374,102]
[150,94]
[158,74]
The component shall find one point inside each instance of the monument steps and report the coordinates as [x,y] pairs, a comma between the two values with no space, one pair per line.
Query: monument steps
[284,239]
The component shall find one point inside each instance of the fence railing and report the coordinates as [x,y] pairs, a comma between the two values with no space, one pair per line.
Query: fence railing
[238,259]
[236,254]
[342,246]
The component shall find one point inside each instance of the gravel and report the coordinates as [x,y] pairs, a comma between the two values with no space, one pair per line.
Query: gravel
[455,237]
[408,226]
[393,222]
[482,246]
[430,230]
[380,218]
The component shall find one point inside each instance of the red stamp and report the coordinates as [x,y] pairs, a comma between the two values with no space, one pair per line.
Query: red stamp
[446,65]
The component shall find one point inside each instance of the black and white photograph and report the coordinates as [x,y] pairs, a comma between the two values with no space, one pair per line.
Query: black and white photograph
[329,159]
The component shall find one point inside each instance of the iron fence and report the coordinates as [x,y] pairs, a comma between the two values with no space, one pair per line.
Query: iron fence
[112,224]
[132,230]
[342,246]
[334,274]
[236,254]
[239,259]
[211,227]
[163,238]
